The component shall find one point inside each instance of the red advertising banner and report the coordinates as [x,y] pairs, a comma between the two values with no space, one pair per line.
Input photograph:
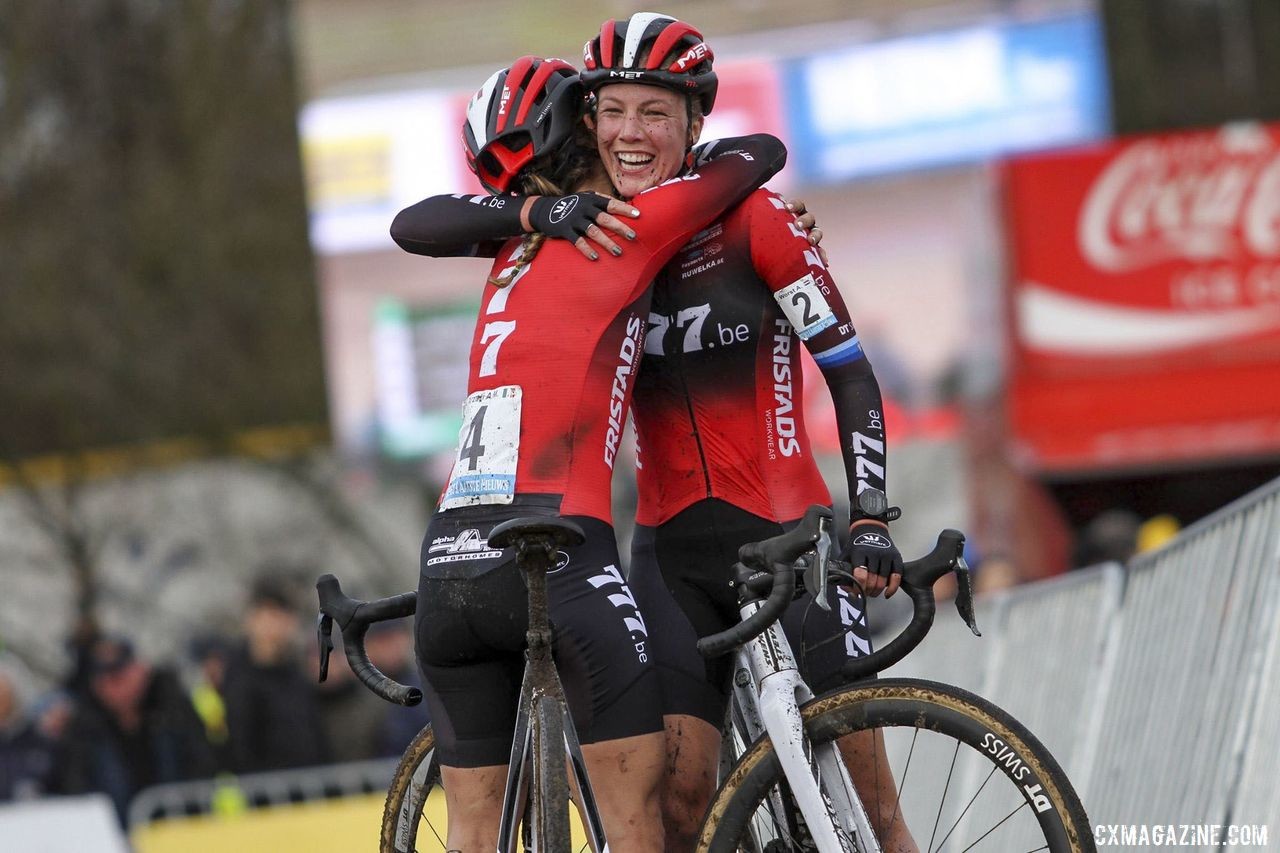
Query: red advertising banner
[1145,300]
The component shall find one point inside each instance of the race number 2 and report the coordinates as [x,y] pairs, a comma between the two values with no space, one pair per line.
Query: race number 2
[488,450]
[805,306]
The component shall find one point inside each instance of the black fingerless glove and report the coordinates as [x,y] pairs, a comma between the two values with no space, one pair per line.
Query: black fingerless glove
[567,216]
[871,546]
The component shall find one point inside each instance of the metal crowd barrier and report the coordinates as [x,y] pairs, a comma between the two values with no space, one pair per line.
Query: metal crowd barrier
[255,790]
[950,652]
[1049,667]
[1197,619]
[1156,686]
[1039,658]
[1257,796]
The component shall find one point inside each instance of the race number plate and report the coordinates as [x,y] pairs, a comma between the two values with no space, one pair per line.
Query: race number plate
[805,306]
[488,450]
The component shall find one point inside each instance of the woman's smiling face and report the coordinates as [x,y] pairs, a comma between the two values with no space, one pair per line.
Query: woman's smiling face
[642,133]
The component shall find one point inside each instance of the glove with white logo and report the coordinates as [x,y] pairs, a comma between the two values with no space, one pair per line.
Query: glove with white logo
[568,216]
[871,547]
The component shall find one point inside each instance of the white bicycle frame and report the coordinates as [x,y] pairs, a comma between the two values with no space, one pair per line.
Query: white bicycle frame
[769,691]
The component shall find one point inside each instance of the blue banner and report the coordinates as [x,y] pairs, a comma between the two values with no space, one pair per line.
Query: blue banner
[948,98]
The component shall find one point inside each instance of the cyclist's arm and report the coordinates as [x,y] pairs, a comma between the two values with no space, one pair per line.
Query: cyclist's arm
[672,212]
[458,226]
[478,225]
[808,296]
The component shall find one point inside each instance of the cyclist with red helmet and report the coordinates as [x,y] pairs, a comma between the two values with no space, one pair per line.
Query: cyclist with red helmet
[723,455]
[552,358]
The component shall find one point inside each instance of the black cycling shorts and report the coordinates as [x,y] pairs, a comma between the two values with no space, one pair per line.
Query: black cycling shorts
[471,638]
[681,571]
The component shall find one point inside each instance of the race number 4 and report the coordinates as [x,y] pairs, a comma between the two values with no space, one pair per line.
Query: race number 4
[488,449]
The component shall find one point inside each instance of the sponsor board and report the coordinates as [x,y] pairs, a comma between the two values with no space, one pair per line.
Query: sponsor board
[1144,302]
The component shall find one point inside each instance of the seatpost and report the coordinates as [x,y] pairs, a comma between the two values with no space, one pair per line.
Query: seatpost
[534,554]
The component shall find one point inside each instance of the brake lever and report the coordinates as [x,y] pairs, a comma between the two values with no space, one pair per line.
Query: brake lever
[324,637]
[964,594]
[815,576]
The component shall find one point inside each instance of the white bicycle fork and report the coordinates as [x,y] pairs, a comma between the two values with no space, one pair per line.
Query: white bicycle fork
[817,775]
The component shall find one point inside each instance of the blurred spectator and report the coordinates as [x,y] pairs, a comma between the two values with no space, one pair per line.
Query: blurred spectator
[135,728]
[390,648]
[349,713]
[212,653]
[273,717]
[995,573]
[359,724]
[1156,531]
[52,713]
[1110,536]
[26,754]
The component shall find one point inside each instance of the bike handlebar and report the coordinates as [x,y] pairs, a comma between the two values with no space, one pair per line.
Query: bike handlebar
[918,578]
[784,587]
[778,556]
[354,618]
[771,556]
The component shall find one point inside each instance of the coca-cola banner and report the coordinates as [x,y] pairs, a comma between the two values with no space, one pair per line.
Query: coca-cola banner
[1145,300]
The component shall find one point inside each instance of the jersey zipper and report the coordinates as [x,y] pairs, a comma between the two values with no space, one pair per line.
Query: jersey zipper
[693,424]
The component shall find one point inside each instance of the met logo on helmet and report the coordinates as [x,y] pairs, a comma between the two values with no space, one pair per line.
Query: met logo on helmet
[502,104]
[563,208]
[692,56]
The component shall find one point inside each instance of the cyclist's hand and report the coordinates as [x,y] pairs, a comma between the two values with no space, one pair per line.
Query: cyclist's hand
[806,220]
[582,219]
[876,561]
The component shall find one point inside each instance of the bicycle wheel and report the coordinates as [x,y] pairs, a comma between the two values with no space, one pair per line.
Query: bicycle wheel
[969,776]
[549,799]
[415,801]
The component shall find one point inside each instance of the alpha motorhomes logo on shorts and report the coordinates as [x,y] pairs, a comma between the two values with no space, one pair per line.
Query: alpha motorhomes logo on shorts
[467,545]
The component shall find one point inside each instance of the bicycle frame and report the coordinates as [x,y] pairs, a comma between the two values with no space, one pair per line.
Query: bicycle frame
[541,686]
[769,691]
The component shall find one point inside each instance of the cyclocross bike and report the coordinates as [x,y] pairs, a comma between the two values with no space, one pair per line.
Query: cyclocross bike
[535,809]
[968,776]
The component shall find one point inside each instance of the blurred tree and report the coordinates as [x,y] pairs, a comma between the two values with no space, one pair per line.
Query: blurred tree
[157,279]
[1192,63]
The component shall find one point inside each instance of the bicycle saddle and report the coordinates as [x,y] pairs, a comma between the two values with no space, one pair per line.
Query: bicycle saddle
[559,530]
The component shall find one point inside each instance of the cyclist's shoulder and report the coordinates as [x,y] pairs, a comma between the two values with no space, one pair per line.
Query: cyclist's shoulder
[763,208]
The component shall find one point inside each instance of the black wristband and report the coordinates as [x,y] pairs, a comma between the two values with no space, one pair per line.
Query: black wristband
[872,504]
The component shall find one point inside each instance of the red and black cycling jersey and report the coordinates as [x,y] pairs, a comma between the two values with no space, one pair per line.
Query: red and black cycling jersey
[718,403]
[554,354]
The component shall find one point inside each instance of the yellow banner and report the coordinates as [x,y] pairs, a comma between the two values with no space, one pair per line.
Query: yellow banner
[348,825]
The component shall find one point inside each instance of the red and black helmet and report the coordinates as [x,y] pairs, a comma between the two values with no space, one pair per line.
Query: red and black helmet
[519,114]
[654,49]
